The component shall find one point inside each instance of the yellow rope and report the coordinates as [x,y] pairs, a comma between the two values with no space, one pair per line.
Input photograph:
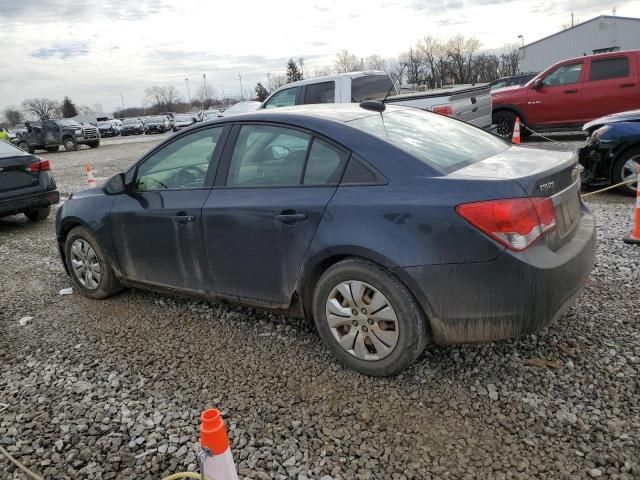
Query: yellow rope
[610,187]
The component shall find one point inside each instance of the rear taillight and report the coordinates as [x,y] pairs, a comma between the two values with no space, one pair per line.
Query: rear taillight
[40,166]
[446,109]
[515,223]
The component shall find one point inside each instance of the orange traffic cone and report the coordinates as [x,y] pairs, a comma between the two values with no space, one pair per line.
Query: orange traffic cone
[516,131]
[634,235]
[90,178]
[218,461]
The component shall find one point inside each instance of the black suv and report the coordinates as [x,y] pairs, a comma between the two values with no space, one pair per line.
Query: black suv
[49,135]
[26,184]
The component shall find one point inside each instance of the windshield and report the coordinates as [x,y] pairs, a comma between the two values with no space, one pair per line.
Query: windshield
[8,150]
[156,120]
[129,121]
[183,118]
[66,122]
[104,124]
[440,142]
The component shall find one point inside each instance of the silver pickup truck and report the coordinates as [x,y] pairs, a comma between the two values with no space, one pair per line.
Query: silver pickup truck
[469,103]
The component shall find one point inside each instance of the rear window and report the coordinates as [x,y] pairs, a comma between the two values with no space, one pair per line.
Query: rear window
[442,143]
[370,87]
[8,150]
[609,68]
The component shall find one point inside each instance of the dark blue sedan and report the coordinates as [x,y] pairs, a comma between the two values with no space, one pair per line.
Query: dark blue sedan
[390,229]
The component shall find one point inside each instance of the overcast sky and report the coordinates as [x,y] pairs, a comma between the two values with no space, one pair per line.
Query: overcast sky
[94,51]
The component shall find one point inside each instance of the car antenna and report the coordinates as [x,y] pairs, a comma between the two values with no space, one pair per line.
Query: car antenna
[393,84]
[379,105]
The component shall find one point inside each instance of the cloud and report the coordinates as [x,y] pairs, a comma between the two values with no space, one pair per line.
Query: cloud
[62,51]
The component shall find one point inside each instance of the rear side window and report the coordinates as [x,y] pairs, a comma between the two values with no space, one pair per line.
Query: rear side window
[440,142]
[284,98]
[370,87]
[324,165]
[609,68]
[324,92]
[357,173]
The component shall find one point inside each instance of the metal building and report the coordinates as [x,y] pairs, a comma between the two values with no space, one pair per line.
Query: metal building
[607,33]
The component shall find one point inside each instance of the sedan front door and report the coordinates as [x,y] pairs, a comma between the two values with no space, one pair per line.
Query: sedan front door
[259,220]
[157,228]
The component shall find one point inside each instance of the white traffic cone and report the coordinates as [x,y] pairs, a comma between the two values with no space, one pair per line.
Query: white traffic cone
[90,178]
[218,461]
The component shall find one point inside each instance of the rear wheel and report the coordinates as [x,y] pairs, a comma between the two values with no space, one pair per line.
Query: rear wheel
[22,146]
[38,214]
[625,168]
[31,150]
[368,318]
[93,144]
[70,145]
[89,268]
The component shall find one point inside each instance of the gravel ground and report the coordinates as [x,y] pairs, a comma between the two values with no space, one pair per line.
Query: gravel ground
[114,389]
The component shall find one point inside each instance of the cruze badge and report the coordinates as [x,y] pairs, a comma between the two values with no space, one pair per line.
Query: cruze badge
[543,187]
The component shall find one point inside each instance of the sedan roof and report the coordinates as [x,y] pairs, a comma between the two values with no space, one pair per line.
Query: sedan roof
[341,112]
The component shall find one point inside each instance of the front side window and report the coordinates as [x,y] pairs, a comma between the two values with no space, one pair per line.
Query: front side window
[564,75]
[609,68]
[324,92]
[181,164]
[284,98]
[440,142]
[265,155]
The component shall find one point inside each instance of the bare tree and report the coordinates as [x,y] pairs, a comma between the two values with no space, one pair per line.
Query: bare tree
[163,97]
[41,108]
[396,70]
[83,109]
[323,71]
[509,61]
[12,115]
[414,66]
[277,80]
[346,62]
[461,52]
[205,96]
[374,62]
[436,64]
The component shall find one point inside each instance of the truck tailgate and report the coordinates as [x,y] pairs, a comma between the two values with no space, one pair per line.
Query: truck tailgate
[470,103]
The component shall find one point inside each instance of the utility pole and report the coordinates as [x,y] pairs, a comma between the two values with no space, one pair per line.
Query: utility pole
[269,80]
[301,62]
[241,94]
[205,93]
[188,93]
[122,98]
[571,18]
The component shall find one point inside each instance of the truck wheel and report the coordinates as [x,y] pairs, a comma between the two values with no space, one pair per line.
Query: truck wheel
[22,146]
[504,121]
[93,144]
[368,318]
[626,168]
[37,214]
[70,145]
[31,150]
[53,149]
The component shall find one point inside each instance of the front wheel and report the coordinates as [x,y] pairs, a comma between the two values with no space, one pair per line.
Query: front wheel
[625,169]
[38,214]
[89,268]
[23,146]
[70,145]
[368,318]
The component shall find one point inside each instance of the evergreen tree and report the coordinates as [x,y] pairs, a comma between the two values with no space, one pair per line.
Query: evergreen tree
[68,108]
[293,72]
[261,92]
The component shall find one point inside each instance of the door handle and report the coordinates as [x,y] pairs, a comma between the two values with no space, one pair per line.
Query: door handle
[627,85]
[290,217]
[182,218]
[571,91]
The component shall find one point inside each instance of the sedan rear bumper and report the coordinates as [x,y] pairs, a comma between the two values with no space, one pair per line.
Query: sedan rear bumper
[19,204]
[513,295]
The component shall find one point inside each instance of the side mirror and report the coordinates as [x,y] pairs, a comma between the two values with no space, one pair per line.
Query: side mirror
[117,185]
[538,83]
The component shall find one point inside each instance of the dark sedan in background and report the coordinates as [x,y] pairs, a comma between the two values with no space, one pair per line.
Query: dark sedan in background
[183,121]
[156,125]
[391,228]
[132,126]
[26,184]
[611,154]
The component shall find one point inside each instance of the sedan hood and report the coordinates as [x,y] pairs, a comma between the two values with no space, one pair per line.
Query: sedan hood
[628,116]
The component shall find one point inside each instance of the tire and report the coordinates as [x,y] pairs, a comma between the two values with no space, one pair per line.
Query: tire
[107,284]
[70,145]
[31,150]
[22,146]
[93,144]
[38,214]
[175,129]
[405,337]
[504,121]
[625,167]
[53,149]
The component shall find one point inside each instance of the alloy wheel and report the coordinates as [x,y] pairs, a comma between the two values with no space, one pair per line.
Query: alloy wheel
[86,266]
[630,171]
[362,320]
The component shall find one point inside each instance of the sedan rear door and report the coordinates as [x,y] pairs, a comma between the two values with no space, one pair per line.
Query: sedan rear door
[271,193]
[17,176]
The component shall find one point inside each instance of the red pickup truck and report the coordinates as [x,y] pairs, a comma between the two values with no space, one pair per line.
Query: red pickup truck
[570,93]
